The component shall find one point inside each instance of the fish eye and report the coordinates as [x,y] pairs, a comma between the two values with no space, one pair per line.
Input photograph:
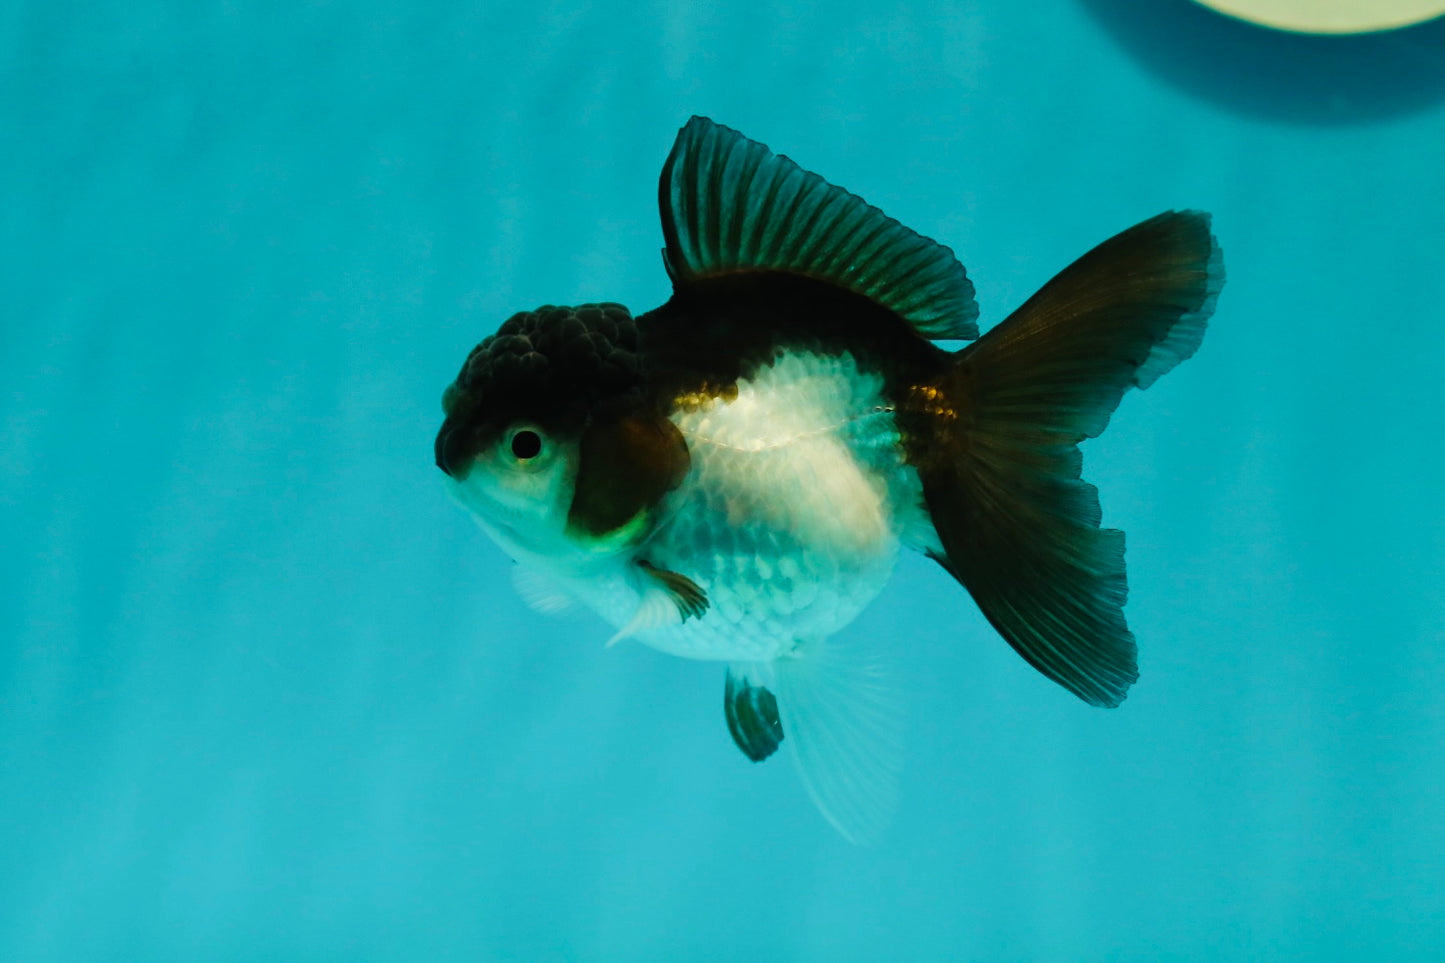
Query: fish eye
[526,444]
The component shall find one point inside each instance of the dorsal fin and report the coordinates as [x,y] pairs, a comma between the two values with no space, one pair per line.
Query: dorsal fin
[730,205]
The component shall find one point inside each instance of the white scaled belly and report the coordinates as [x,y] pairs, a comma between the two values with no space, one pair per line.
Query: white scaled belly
[791,515]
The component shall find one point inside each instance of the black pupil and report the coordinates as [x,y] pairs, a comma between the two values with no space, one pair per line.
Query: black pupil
[526,444]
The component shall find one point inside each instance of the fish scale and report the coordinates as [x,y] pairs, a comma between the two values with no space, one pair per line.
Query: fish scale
[791,513]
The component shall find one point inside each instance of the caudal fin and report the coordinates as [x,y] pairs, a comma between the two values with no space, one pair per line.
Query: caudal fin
[1018,526]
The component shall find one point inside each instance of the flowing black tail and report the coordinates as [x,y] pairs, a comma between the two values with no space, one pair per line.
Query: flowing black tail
[1019,528]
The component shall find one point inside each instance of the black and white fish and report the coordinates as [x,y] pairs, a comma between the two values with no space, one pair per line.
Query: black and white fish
[733,475]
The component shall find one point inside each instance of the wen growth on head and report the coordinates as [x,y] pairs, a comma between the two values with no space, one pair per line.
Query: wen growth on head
[732,475]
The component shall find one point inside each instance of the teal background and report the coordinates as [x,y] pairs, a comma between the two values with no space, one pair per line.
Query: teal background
[266,694]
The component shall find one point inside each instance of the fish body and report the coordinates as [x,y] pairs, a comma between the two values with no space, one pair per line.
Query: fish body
[789,518]
[733,475]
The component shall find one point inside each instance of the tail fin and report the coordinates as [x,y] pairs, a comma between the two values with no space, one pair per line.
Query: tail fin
[1018,526]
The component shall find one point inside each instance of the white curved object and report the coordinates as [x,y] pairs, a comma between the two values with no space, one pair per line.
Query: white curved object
[1330,16]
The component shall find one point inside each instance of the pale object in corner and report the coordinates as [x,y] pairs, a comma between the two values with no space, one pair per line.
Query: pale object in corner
[1330,16]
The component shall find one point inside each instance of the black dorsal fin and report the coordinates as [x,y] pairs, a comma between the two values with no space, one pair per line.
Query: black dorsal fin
[730,205]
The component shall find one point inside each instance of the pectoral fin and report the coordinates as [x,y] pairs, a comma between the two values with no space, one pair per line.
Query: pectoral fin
[690,600]
[540,593]
[668,598]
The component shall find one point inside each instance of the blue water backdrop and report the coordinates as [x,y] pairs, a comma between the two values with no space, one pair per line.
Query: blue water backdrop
[265,693]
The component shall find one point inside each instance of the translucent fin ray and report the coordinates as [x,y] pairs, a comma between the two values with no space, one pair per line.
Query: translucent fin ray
[540,593]
[843,717]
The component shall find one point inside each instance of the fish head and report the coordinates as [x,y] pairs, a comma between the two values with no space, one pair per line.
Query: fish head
[528,404]
[518,484]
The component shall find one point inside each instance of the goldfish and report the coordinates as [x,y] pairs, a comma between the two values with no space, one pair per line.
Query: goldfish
[733,476]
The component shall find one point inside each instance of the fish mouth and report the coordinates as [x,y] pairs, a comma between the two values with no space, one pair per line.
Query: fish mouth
[449,457]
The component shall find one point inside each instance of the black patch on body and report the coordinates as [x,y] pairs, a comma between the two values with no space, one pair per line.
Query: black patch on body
[716,331]
[626,463]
